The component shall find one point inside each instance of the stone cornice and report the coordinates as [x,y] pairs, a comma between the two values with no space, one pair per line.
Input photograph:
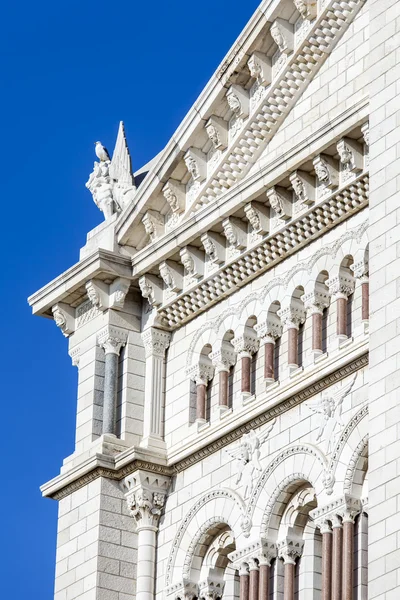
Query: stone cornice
[303,64]
[128,462]
[262,257]
[69,287]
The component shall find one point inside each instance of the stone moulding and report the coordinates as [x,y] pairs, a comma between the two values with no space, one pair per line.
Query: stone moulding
[304,63]
[329,213]
[181,465]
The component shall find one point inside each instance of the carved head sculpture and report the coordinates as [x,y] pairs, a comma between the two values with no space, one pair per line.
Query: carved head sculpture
[213,135]
[166,275]
[149,227]
[59,318]
[146,289]
[192,167]
[210,248]
[230,234]
[301,6]
[253,218]
[322,171]
[188,263]
[298,187]
[92,294]
[234,104]
[171,199]
[278,37]
[254,67]
[346,155]
[276,203]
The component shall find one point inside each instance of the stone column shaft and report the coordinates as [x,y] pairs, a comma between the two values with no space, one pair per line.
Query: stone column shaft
[201,395]
[155,343]
[223,388]
[269,355]
[326,565]
[264,582]
[246,374]
[253,583]
[110,394]
[365,301]
[146,560]
[341,323]
[348,559]
[288,584]
[317,331]
[244,585]
[337,563]
[293,343]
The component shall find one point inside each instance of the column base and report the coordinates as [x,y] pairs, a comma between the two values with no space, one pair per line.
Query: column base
[294,370]
[319,356]
[153,442]
[271,384]
[201,424]
[247,398]
[223,411]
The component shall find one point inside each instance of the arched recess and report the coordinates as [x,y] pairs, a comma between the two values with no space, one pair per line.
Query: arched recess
[298,463]
[217,511]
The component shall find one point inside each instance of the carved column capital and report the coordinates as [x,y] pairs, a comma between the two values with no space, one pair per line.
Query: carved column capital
[315,302]
[156,342]
[224,358]
[201,373]
[246,344]
[75,354]
[269,331]
[324,525]
[145,497]
[211,589]
[290,550]
[112,339]
[292,316]
[340,510]
[361,271]
[341,286]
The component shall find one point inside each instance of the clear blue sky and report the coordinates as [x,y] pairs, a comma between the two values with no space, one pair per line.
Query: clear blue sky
[68,73]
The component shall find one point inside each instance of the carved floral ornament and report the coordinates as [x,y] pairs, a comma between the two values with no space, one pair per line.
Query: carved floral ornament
[156,342]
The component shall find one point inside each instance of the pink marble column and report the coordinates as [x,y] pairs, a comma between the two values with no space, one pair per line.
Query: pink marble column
[341,322]
[201,395]
[254,580]
[348,556]
[337,549]
[223,387]
[246,374]
[244,582]
[288,584]
[365,299]
[326,533]
[293,343]
[264,580]
[317,331]
[269,355]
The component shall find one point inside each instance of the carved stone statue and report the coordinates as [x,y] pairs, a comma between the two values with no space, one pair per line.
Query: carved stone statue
[234,104]
[111,182]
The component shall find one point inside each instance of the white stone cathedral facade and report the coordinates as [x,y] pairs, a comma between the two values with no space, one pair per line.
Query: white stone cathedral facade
[235,322]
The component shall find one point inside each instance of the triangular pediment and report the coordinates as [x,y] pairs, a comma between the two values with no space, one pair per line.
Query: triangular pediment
[239,112]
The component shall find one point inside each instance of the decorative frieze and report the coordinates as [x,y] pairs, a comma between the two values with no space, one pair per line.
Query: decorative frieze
[278,101]
[264,255]
[64,318]
[153,223]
